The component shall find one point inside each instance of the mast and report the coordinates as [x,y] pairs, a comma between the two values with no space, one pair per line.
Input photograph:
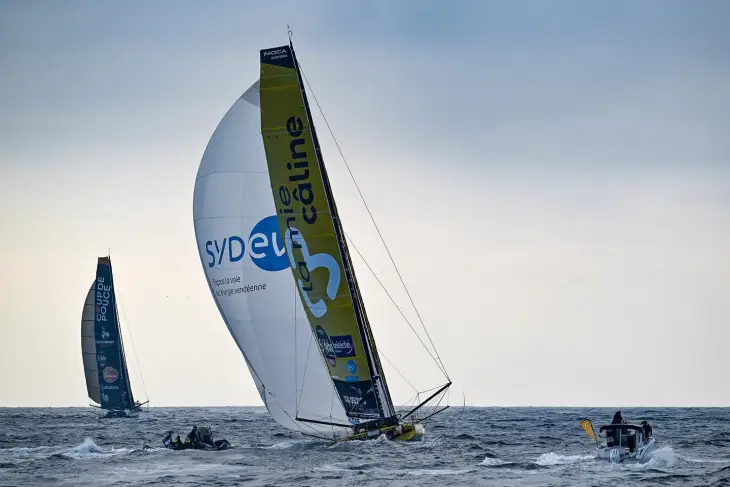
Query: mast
[125,371]
[382,394]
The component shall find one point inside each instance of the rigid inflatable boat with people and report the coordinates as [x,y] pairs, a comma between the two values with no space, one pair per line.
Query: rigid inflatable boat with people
[622,442]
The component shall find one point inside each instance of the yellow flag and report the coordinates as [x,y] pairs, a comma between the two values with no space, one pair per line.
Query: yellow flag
[588,426]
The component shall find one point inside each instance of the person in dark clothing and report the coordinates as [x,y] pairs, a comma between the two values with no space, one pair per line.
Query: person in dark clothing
[194,436]
[617,418]
[647,429]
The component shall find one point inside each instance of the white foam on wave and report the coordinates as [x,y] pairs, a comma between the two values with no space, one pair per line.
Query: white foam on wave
[719,461]
[88,446]
[282,445]
[333,467]
[85,450]
[435,472]
[492,462]
[663,456]
[552,458]
[89,449]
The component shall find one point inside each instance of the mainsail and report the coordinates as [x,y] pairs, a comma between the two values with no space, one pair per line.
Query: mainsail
[315,245]
[105,367]
[244,259]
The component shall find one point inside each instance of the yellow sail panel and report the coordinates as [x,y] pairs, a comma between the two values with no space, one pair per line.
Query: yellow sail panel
[305,221]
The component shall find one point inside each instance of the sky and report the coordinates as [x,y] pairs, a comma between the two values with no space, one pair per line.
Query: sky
[552,179]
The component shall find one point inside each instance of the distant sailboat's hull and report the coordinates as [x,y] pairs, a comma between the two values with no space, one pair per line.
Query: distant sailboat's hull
[138,407]
[126,413]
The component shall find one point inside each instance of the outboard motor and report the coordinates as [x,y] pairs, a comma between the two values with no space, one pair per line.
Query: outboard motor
[614,456]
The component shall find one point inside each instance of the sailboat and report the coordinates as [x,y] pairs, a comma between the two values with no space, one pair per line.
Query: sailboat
[102,350]
[275,257]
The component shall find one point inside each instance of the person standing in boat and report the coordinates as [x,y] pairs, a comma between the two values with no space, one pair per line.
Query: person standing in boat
[647,429]
[194,436]
[617,418]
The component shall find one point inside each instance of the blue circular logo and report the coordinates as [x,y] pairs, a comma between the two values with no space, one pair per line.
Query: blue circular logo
[352,366]
[266,247]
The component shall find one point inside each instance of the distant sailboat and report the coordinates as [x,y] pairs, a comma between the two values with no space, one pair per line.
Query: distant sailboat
[105,365]
[304,333]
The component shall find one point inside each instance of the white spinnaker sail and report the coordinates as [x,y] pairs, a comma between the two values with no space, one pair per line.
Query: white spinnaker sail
[248,273]
[88,347]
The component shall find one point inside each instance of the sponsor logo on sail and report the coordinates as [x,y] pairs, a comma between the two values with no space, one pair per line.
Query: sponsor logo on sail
[110,374]
[328,348]
[344,347]
[352,366]
[264,247]
[276,53]
[103,299]
[351,401]
[299,189]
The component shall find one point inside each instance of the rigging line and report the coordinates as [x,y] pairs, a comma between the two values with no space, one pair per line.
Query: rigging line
[409,403]
[435,406]
[298,423]
[438,362]
[304,377]
[332,406]
[463,409]
[398,371]
[297,395]
[131,338]
[372,218]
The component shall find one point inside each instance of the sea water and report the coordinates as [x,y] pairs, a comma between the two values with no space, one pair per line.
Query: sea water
[487,446]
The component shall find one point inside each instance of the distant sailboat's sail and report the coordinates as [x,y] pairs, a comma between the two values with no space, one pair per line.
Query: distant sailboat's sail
[111,388]
[88,346]
[245,262]
[314,240]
